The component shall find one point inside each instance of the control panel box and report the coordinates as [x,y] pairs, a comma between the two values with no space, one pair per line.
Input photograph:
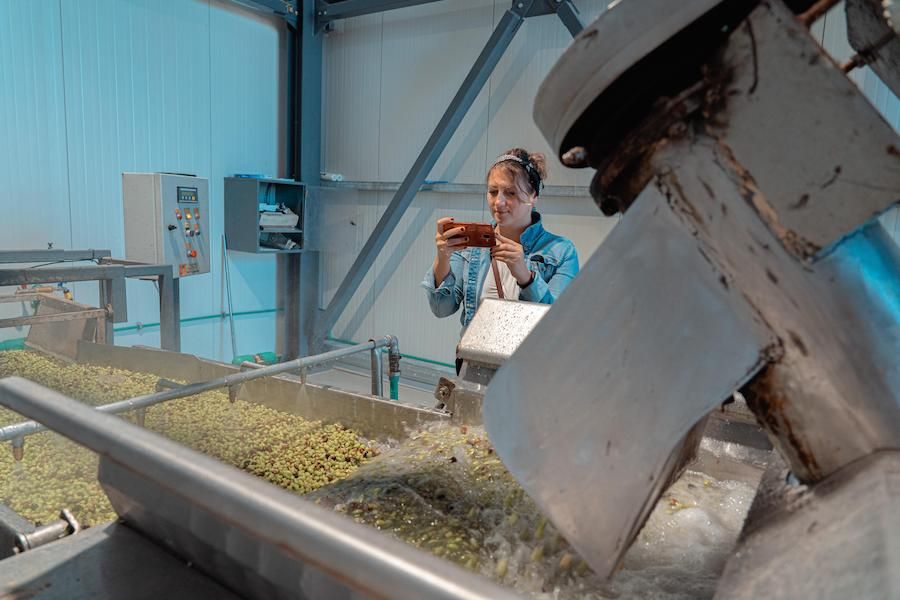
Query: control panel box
[167,220]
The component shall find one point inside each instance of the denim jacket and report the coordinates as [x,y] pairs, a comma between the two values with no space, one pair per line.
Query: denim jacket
[552,258]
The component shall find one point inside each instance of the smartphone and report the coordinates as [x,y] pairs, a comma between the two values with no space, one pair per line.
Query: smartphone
[479,234]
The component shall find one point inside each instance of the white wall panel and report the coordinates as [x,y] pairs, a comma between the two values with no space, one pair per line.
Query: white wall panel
[351,125]
[136,76]
[346,219]
[94,88]
[33,169]
[426,53]
[514,85]
[244,138]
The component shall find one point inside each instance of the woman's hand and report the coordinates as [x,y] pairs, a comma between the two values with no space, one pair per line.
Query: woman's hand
[445,245]
[445,248]
[512,253]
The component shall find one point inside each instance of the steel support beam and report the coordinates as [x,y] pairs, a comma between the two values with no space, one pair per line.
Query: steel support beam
[497,44]
[328,12]
[568,14]
[169,313]
[297,274]
[281,8]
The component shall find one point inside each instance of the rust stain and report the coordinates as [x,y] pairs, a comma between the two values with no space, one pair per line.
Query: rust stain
[708,189]
[833,178]
[682,202]
[804,199]
[798,342]
[791,240]
[768,401]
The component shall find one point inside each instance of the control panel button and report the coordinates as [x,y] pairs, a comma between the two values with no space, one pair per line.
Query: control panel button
[187,214]
[171,227]
[178,213]
[192,253]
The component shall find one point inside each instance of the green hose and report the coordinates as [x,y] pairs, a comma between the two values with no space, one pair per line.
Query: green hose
[395,387]
[13,344]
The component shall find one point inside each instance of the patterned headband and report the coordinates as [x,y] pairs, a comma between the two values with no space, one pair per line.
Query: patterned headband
[533,176]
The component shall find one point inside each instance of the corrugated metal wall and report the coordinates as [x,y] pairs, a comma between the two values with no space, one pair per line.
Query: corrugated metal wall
[92,88]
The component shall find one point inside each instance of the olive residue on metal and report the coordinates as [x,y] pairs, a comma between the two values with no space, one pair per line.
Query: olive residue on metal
[768,401]
[833,178]
[627,170]
[793,243]
[798,342]
[801,202]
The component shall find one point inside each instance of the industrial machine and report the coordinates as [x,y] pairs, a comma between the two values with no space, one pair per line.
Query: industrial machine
[749,263]
[167,220]
[60,267]
[751,173]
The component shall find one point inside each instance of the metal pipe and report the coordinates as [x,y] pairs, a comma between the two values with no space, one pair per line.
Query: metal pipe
[29,427]
[228,296]
[377,372]
[50,532]
[281,524]
[394,367]
[39,256]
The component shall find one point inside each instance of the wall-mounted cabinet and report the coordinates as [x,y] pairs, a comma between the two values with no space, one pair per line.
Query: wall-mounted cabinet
[264,215]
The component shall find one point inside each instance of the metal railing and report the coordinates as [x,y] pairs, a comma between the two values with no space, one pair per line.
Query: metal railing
[17,432]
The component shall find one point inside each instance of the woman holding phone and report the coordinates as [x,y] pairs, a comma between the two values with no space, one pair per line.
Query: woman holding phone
[526,262]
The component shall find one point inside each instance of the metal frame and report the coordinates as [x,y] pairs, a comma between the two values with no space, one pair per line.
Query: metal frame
[329,12]
[111,275]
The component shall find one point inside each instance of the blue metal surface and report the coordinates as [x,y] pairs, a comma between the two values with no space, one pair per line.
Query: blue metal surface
[865,266]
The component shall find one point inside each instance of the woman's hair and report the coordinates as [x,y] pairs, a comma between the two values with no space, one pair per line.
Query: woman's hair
[529,171]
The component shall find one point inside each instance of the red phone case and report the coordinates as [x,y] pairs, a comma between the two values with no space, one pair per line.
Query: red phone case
[480,235]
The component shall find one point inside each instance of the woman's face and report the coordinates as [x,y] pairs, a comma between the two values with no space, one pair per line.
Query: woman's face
[510,205]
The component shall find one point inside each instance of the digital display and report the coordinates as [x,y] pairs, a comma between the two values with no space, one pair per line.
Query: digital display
[187,195]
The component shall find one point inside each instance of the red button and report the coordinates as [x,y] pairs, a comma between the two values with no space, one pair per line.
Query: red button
[192,253]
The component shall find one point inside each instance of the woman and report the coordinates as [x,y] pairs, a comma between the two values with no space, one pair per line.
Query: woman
[533,264]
